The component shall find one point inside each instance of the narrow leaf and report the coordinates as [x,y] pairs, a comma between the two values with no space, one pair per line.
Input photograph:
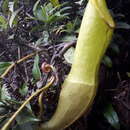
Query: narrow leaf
[36,70]
[26,126]
[26,116]
[112,116]
[128,74]
[24,89]
[55,2]
[5,6]
[4,66]
[115,48]
[3,20]
[13,16]
[107,61]
[69,55]
[35,8]
[4,94]
[122,25]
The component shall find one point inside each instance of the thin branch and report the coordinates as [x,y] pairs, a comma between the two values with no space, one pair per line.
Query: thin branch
[41,104]
[66,47]
[17,62]
[6,126]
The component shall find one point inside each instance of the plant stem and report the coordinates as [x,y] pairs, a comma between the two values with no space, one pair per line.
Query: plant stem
[17,62]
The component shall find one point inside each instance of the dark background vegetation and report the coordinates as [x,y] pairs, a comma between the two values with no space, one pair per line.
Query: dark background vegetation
[111,108]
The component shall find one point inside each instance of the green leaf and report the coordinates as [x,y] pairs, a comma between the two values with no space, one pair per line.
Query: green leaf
[54,18]
[35,8]
[3,22]
[48,13]
[36,70]
[70,27]
[24,89]
[122,25]
[69,55]
[26,116]
[128,74]
[4,94]
[62,10]
[40,12]
[26,126]
[52,9]
[3,120]
[107,61]
[39,15]
[13,16]
[115,48]
[68,38]
[44,14]
[3,109]
[16,2]
[112,116]
[80,2]
[4,66]
[0,89]
[5,6]
[55,2]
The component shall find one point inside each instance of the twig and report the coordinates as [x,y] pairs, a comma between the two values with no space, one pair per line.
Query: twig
[2,53]
[40,104]
[19,54]
[61,52]
[17,62]
[66,47]
[6,126]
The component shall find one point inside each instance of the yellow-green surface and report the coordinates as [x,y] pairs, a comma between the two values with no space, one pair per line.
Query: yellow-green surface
[79,89]
[55,2]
